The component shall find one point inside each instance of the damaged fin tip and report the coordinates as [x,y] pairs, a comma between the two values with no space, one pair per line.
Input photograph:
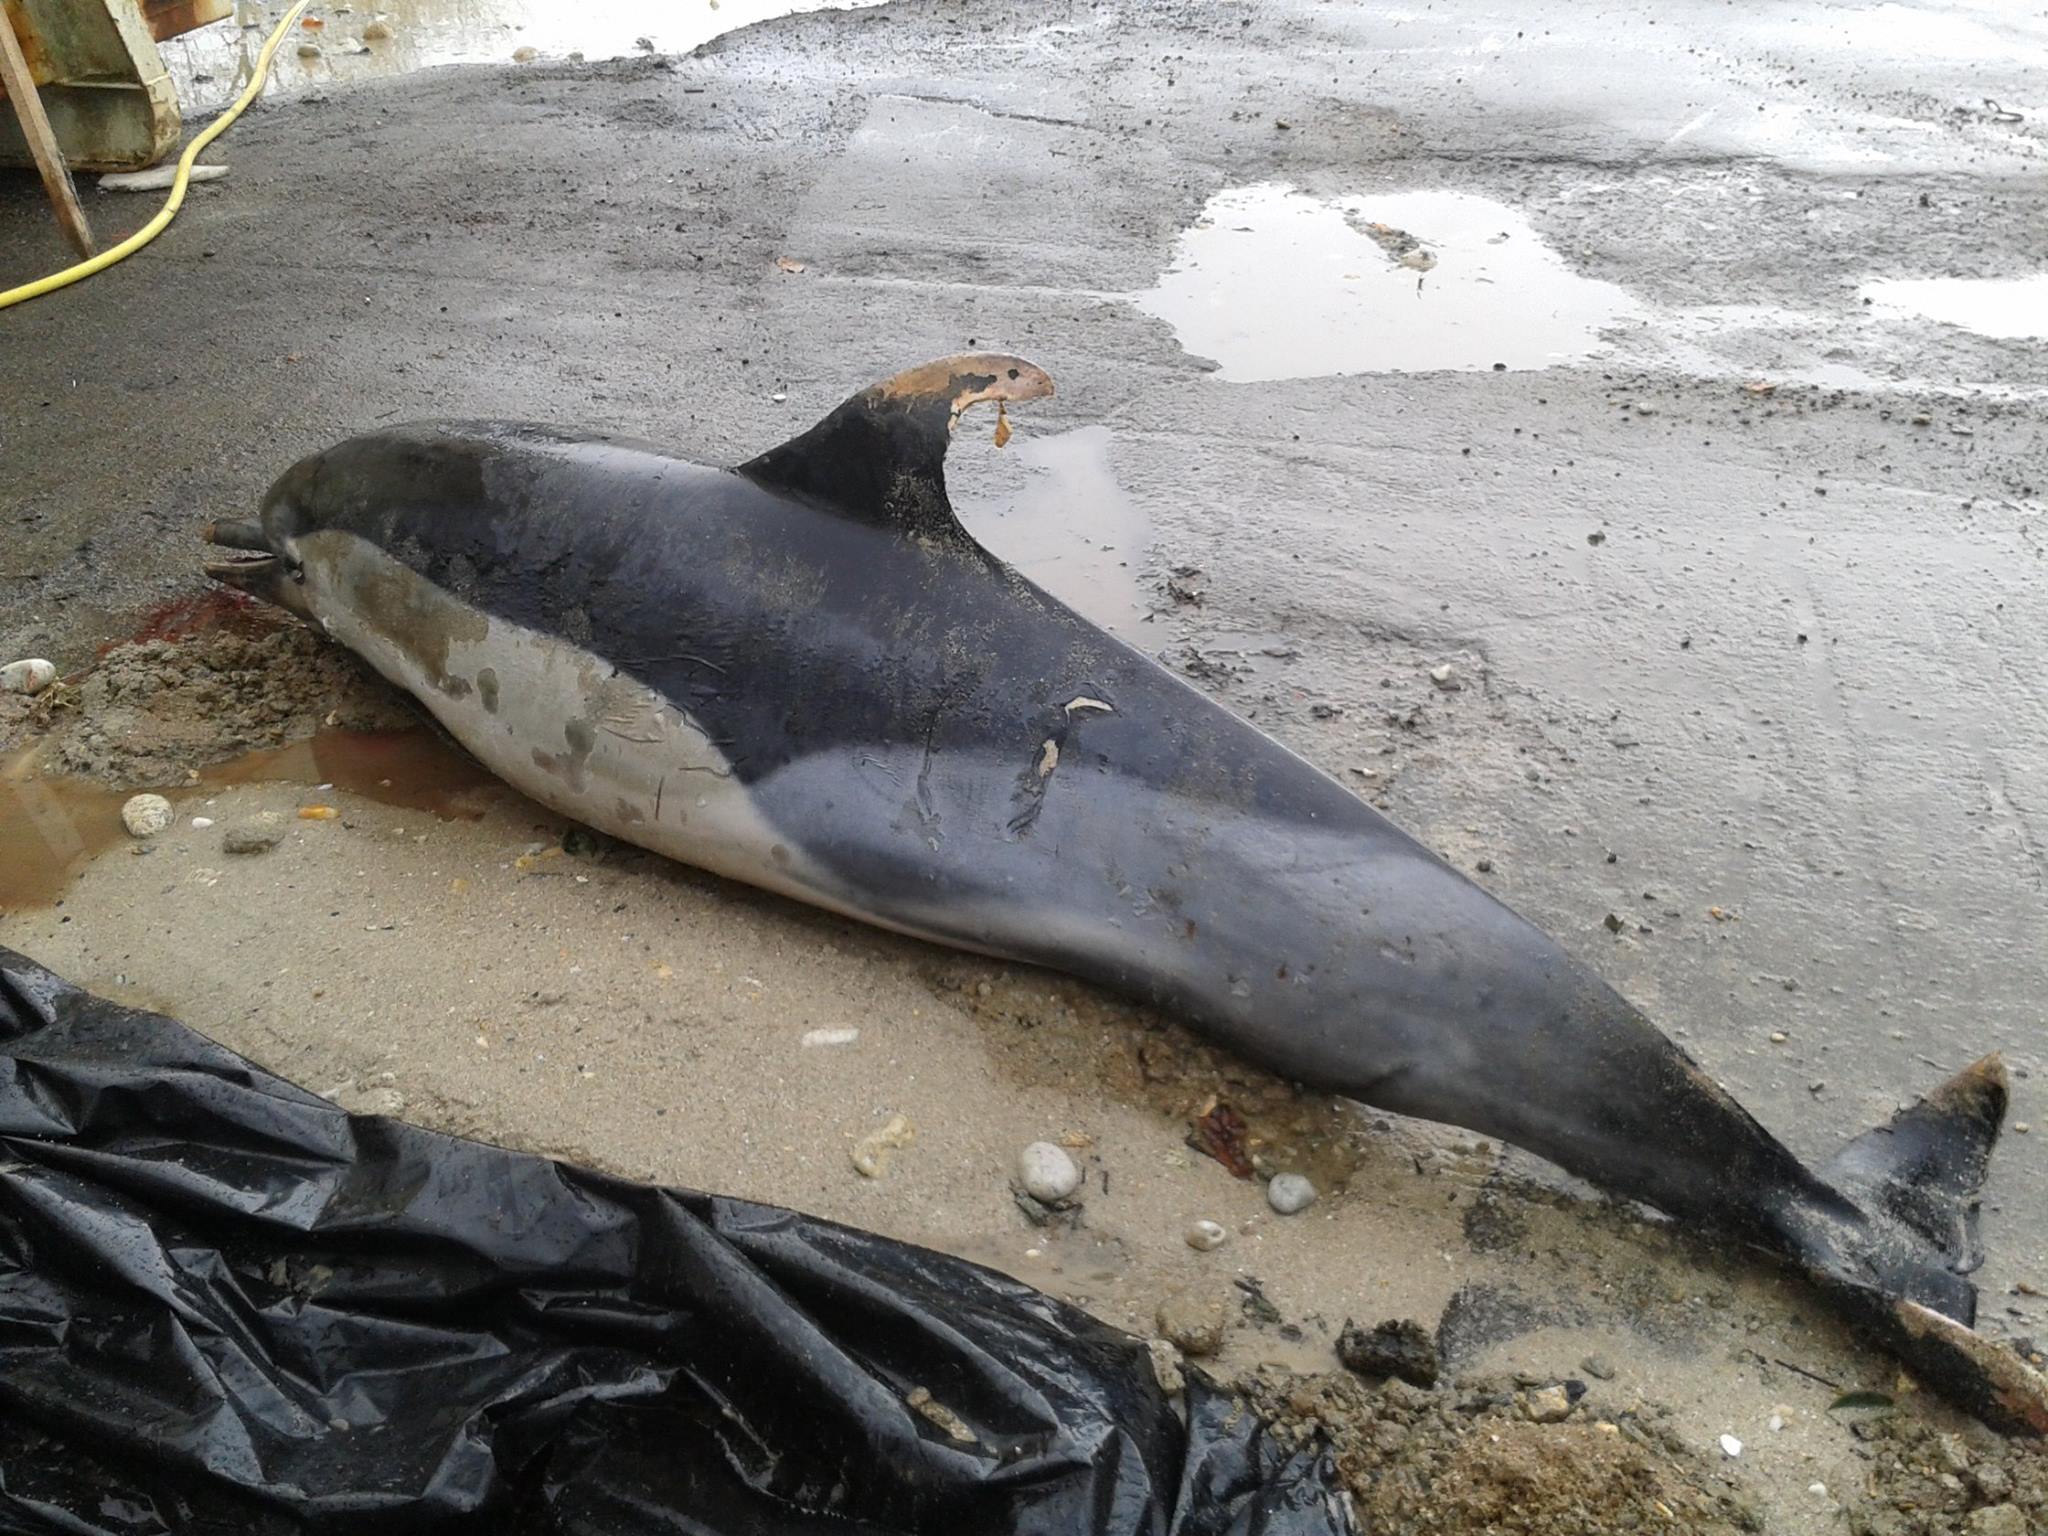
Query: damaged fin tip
[968,379]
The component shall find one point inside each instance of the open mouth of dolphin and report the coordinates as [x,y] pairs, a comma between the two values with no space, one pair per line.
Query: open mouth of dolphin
[253,563]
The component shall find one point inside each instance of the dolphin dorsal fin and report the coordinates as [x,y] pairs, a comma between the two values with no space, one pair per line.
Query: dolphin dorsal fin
[881,457]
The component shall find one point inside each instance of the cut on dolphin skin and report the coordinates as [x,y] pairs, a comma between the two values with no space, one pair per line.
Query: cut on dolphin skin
[805,674]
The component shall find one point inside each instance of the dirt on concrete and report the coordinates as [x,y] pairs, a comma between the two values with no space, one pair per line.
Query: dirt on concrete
[220,680]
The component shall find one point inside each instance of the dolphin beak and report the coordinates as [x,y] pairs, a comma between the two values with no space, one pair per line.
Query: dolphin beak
[254,569]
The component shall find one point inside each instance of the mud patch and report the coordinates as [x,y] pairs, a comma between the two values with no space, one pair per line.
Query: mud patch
[154,713]
[1470,1459]
[1928,1482]
[1048,1030]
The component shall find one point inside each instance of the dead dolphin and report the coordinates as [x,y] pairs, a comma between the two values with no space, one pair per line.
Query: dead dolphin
[805,674]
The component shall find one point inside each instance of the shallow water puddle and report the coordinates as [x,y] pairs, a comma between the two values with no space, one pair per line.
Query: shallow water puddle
[2004,308]
[1275,284]
[50,827]
[1072,529]
[357,41]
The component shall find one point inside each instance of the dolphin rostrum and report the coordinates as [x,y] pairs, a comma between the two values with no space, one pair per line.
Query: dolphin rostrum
[804,674]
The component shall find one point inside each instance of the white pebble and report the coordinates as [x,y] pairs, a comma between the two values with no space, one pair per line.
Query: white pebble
[31,676]
[1777,1422]
[831,1036]
[1446,677]
[1289,1193]
[146,815]
[1204,1235]
[1047,1173]
[1818,1490]
[202,821]
[1730,1446]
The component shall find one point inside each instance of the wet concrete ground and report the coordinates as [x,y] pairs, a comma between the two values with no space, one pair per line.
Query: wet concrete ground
[1744,574]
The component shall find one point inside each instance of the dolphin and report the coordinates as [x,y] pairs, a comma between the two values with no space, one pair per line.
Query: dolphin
[804,674]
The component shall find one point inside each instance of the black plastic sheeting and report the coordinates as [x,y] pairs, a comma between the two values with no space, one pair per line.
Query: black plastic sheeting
[228,1306]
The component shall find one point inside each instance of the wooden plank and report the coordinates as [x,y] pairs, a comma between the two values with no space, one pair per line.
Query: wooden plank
[169,18]
[35,127]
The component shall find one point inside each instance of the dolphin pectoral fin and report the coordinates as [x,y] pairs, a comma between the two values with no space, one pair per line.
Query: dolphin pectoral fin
[881,456]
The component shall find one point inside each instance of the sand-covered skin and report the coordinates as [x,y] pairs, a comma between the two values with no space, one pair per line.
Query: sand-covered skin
[498,973]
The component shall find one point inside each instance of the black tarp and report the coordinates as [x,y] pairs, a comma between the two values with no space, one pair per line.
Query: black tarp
[228,1306]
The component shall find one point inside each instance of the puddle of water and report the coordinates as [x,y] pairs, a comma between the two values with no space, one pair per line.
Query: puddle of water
[50,827]
[2004,308]
[1275,284]
[1072,529]
[211,64]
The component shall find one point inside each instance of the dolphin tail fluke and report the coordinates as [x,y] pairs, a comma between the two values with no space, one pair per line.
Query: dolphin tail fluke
[1898,1267]
[1924,1166]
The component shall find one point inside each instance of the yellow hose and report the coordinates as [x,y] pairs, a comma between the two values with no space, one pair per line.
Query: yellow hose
[164,215]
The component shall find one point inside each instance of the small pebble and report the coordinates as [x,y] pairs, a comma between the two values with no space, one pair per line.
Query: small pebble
[146,815]
[1047,1173]
[1205,1235]
[1166,1365]
[1192,1323]
[30,676]
[2021,1127]
[1779,1037]
[1599,1367]
[202,821]
[377,32]
[309,50]
[525,55]
[1998,1520]
[1446,677]
[815,1037]
[1818,1490]
[1290,1193]
[259,834]
[1399,1347]
[1730,1446]
[871,1152]
[1549,1405]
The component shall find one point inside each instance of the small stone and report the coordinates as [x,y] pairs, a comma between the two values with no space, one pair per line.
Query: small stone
[259,834]
[30,676]
[1484,866]
[1549,1405]
[2021,1127]
[1613,922]
[1730,1446]
[1166,1365]
[1399,1348]
[1818,1490]
[525,55]
[1779,1037]
[1290,1193]
[309,50]
[377,32]
[1954,1454]
[1192,1323]
[202,822]
[1205,1235]
[1599,1367]
[146,815]
[1446,677]
[1047,1173]
[1998,1520]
